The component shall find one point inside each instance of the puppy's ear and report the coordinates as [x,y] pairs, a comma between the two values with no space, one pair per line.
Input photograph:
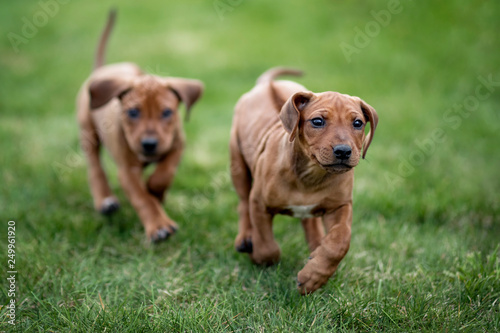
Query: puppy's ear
[103,90]
[290,112]
[188,91]
[372,116]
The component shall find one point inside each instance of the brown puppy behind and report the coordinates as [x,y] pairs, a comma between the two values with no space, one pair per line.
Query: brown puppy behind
[136,117]
[293,153]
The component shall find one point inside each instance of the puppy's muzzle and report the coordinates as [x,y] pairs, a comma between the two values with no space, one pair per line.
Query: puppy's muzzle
[342,152]
[149,145]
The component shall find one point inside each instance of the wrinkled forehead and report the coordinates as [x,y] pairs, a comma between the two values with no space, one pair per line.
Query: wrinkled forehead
[149,87]
[333,102]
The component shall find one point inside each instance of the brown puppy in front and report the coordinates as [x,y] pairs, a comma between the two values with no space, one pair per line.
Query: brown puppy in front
[136,117]
[293,153]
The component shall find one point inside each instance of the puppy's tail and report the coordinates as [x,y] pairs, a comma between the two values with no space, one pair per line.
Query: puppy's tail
[271,74]
[268,78]
[101,47]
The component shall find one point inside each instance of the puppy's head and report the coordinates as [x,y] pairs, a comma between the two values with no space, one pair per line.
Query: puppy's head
[149,109]
[330,128]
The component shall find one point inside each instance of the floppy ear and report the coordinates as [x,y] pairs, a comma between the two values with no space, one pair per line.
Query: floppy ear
[290,112]
[372,116]
[188,91]
[103,90]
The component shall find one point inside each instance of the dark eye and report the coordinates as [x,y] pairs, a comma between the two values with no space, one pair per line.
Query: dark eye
[318,122]
[133,113]
[357,124]
[166,113]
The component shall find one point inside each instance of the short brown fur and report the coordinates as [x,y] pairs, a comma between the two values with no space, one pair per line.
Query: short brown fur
[282,164]
[154,134]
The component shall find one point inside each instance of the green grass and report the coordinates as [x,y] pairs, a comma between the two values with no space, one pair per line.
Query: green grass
[425,246]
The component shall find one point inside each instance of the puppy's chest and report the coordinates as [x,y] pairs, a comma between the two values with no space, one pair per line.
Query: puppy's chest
[304,211]
[300,211]
[299,204]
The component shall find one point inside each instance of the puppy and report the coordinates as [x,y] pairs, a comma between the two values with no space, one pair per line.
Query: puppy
[293,152]
[135,116]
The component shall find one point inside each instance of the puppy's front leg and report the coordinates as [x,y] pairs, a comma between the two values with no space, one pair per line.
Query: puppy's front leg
[161,179]
[314,230]
[265,250]
[156,222]
[104,200]
[326,258]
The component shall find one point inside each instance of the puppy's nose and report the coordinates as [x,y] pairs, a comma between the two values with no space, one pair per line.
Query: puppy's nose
[342,152]
[149,145]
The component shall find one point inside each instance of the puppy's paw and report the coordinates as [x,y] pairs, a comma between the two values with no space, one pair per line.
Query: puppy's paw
[243,244]
[266,257]
[161,233]
[109,206]
[312,277]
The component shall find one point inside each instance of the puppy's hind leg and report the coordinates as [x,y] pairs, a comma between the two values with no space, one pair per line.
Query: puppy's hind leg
[104,200]
[242,181]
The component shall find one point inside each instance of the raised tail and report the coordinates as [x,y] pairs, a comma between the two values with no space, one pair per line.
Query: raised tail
[101,47]
[267,78]
[271,74]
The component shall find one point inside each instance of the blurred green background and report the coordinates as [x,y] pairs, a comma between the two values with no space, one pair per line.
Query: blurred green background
[426,196]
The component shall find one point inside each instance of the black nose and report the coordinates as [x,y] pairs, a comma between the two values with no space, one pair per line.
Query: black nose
[342,152]
[149,145]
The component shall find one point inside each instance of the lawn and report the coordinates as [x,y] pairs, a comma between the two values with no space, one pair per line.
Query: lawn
[425,250]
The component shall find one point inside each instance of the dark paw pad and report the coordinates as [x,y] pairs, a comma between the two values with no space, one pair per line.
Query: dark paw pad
[109,206]
[245,246]
[162,235]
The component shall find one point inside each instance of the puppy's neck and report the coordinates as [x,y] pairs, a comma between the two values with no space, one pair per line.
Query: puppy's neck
[307,171]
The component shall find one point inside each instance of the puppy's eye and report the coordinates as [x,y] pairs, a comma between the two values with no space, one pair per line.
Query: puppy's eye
[357,124]
[318,122]
[167,113]
[133,113]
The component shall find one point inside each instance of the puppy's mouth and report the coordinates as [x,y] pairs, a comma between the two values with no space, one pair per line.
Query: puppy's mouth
[150,156]
[149,153]
[337,167]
